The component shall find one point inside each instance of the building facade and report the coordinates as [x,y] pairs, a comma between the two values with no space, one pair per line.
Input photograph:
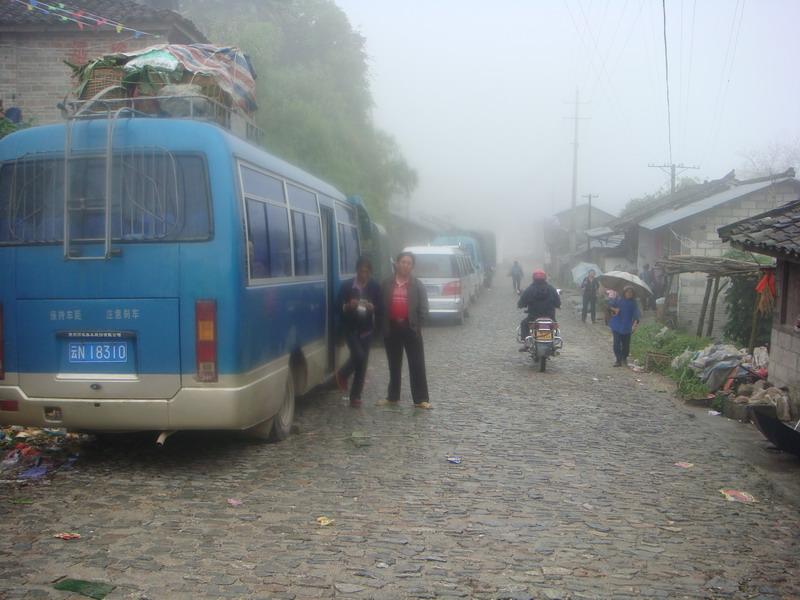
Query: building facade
[35,47]
[776,233]
[686,223]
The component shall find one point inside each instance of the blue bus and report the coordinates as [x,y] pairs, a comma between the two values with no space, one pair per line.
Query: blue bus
[164,274]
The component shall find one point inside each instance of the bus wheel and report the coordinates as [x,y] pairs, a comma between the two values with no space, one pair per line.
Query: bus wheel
[282,421]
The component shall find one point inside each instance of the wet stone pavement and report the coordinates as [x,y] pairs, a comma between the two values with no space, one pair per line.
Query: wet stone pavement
[567,489]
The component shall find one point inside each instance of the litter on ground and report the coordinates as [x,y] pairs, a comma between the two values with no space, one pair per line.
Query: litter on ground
[92,589]
[738,496]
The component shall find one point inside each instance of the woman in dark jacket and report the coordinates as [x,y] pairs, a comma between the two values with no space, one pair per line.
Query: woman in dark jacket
[361,305]
[406,304]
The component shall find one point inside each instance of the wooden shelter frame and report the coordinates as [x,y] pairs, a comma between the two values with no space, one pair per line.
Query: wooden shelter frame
[715,269]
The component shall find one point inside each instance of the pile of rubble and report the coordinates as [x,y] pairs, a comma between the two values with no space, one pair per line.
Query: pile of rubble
[30,454]
[740,375]
[760,394]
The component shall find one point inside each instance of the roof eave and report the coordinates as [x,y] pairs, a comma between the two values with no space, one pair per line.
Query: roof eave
[766,251]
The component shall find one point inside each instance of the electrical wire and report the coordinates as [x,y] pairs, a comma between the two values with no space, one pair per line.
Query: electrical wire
[687,97]
[594,56]
[666,73]
[727,80]
[611,44]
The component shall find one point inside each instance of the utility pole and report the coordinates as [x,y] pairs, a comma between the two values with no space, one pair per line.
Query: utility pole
[672,172]
[589,214]
[572,241]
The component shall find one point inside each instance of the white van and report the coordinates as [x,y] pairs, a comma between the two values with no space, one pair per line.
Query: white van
[447,279]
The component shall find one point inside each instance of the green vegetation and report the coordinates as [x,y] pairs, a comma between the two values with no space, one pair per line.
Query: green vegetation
[672,343]
[635,204]
[648,338]
[7,127]
[741,298]
[315,104]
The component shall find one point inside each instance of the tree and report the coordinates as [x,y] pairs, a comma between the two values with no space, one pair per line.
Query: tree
[774,158]
[313,91]
[740,298]
[635,203]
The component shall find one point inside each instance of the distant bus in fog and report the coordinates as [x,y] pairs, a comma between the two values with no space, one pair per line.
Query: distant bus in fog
[480,246]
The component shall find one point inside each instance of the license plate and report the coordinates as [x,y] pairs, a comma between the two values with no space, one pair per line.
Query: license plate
[544,335]
[98,352]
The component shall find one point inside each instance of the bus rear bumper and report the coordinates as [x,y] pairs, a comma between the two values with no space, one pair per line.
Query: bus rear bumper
[191,408]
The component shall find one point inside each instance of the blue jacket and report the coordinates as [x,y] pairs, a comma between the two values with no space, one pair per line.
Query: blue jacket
[622,322]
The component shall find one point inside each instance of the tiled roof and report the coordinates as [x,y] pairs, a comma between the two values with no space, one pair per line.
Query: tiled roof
[776,232]
[129,13]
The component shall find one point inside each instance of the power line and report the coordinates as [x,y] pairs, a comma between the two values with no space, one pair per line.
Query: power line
[592,55]
[611,45]
[666,73]
[717,103]
[687,98]
[728,79]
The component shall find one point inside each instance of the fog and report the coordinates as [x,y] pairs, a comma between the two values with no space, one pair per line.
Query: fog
[480,97]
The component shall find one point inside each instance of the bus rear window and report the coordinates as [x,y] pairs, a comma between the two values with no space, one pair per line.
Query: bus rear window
[155,196]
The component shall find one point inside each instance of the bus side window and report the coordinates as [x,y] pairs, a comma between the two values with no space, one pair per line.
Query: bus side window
[299,239]
[257,242]
[307,244]
[280,255]
[314,245]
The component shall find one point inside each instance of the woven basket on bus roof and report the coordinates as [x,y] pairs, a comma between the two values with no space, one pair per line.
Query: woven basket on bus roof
[208,87]
[102,78]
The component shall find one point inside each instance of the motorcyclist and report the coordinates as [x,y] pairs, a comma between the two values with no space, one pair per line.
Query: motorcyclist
[540,299]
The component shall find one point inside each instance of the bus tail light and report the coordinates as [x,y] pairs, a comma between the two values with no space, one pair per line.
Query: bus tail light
[452,288]
[2,342]
[205,317]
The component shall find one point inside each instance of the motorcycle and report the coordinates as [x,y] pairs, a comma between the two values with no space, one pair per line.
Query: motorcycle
[542,342]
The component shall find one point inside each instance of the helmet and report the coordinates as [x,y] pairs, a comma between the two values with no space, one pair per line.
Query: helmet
[539,275]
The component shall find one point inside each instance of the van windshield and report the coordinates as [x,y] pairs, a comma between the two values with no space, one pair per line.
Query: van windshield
[435,265]
[155,196]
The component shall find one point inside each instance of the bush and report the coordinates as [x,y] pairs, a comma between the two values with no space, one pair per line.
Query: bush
[741,299]
[650,338]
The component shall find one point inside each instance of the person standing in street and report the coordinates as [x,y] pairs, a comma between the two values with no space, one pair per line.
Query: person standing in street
[590,286]
[406,304]
[624,321]
[361,305]
[516,276]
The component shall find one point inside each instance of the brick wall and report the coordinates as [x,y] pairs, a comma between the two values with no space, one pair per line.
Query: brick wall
[700,238]
[33,75]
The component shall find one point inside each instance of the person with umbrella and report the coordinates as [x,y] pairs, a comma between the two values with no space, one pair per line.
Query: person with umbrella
[589,286]
[624,321]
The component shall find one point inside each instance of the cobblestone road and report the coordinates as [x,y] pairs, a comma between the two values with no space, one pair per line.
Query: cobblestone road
[567,489]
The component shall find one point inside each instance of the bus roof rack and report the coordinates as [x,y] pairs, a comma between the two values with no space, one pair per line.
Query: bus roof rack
[184,106]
